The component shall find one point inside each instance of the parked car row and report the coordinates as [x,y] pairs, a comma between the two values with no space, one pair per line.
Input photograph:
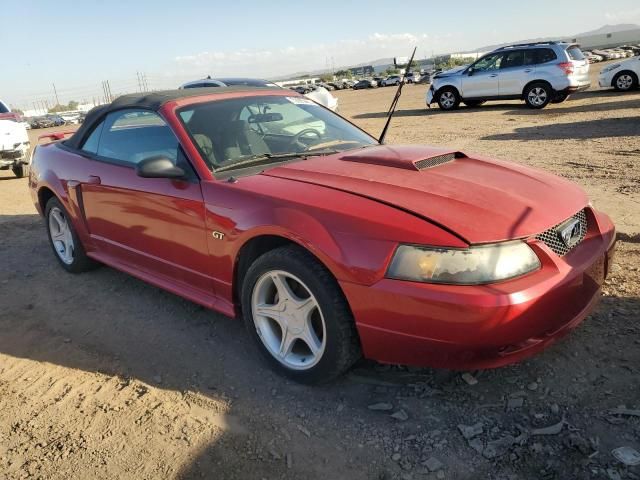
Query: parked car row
[624,51]
[54,120]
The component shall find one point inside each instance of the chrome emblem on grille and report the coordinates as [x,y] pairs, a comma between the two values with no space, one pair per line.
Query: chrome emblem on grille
[570,232]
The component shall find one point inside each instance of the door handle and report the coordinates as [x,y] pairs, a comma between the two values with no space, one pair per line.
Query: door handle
[493,75]
[93,180]
[528,70]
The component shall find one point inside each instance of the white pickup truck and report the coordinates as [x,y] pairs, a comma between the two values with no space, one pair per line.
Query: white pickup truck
[14,143]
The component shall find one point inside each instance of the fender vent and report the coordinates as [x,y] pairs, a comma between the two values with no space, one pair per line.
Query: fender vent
[438,160]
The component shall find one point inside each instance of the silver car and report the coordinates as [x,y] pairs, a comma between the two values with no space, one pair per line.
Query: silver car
[537,73]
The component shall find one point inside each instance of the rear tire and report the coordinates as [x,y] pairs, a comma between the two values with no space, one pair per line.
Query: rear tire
[64,241]
[448,98]
[21,170]
[328,323]
[538,95]
[625,81]
[473,103]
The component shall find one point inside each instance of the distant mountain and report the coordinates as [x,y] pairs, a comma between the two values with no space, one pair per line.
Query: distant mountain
[604,29]
[387,61]
[610,29]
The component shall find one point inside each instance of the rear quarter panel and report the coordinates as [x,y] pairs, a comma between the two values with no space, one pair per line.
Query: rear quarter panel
[51,168]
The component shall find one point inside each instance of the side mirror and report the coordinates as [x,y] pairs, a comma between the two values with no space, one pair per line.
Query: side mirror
[470,71]
[158,167]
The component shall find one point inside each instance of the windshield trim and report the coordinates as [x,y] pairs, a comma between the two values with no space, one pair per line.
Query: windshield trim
[225,173]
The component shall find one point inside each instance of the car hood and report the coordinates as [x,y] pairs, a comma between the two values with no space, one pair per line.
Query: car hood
[479,199]
[450,72]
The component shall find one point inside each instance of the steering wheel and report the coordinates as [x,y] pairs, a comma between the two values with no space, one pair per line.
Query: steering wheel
[296,140]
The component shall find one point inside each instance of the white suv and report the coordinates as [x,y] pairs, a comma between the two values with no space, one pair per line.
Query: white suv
[537,73]
[622,76]
[14,143]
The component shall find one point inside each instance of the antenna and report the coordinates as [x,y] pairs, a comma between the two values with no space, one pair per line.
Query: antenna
[396,99]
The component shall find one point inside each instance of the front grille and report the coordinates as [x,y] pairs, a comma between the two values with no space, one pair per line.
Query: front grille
[552,239]
[438,160]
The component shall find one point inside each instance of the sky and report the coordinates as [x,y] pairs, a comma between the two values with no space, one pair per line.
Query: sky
[76,45]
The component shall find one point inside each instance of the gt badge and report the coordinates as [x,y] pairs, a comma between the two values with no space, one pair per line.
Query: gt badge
[218,235]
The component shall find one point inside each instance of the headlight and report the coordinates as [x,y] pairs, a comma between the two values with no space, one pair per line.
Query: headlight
[610,68]
[471,266]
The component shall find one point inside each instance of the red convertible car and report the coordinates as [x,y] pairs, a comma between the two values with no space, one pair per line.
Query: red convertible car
[259,203]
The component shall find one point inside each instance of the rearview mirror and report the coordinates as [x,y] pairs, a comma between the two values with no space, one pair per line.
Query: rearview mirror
[158,167]
[265,117]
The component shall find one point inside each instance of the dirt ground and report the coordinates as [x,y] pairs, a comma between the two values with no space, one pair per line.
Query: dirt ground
[103,376]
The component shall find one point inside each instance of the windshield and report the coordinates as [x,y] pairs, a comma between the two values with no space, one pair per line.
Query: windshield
[232,132]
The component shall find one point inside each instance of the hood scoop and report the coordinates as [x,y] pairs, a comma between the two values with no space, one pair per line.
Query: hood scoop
[407,157]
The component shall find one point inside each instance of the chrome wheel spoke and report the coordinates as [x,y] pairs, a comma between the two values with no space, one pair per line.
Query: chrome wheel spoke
[305,307]
[288,320]
[284,291]
[270,311]
[61,235]
[286,343]
[310,338]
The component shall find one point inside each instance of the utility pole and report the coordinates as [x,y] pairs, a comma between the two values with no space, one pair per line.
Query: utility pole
[139,83]
[56,93]
[144,82]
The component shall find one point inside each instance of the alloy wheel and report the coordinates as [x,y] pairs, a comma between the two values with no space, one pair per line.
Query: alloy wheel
[288,320]
[624,82]
[61,236]
[537,96]
[448,99]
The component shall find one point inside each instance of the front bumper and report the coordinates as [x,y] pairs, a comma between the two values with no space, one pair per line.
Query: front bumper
[14,157]
[606,80]
[471,327]
[430,94]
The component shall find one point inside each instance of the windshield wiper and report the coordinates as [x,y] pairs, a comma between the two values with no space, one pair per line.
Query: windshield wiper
[269,157]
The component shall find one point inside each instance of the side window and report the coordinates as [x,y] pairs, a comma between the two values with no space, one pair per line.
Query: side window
[91,143]
[544,55]
[130,136]
[512,59]
[488,63]
[530,57]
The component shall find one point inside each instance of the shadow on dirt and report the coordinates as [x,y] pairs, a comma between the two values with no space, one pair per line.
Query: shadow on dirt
[566,108]
[106,321]
[609,127]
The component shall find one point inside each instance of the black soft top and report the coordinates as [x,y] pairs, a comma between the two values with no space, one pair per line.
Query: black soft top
[150,101]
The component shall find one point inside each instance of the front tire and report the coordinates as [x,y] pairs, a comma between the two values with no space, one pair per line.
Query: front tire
[21,170]
[298,317]
[448,98]
[64,241]
[625,81]
[538,95]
